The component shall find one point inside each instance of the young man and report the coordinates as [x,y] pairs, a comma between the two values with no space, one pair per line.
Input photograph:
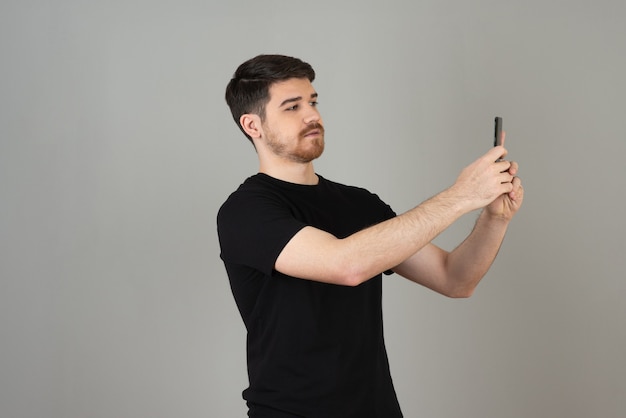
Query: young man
[305,255]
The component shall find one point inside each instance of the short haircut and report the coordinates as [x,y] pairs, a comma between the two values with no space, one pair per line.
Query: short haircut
[248,90]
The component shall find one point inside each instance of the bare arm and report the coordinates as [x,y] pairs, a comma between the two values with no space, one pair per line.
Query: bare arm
[457,273]
[316,255]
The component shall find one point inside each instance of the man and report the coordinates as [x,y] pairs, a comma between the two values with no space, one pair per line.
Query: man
[305,255]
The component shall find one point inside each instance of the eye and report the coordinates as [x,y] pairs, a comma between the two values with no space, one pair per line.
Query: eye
[314,103]
[292,108]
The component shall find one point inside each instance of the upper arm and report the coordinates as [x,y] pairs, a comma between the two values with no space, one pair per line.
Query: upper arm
[316,255]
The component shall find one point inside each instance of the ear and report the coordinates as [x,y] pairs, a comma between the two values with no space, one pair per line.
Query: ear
[251,124]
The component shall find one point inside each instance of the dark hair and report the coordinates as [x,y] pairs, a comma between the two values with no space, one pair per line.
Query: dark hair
[248,90]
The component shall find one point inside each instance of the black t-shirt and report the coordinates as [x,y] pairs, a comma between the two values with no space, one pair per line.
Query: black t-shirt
[314,349]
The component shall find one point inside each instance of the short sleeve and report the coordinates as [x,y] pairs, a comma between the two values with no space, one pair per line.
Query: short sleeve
[253,229]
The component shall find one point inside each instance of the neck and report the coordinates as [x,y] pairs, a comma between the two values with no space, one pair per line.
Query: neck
[299,173]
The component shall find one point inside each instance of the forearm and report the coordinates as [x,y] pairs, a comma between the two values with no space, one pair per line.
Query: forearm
[467,264]
[383,246]
[317,255]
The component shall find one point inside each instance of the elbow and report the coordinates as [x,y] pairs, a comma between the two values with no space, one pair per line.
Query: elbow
[464,294]
[352,275]
[460,292]
[461,287]
[353,279]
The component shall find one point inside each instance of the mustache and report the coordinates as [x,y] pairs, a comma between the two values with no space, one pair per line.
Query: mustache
[315,126]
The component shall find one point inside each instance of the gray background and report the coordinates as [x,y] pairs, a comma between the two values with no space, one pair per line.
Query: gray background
[117,149]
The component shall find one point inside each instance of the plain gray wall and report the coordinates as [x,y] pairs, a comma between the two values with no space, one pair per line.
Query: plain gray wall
[117,149]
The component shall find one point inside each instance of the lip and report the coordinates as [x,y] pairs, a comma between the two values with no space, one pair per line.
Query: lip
[314,132]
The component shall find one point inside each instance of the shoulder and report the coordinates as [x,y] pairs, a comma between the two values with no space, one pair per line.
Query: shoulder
[253,187]
[259,196]
[342,188]
[349,191]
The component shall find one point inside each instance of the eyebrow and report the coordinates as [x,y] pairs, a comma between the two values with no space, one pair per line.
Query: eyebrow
[296,99]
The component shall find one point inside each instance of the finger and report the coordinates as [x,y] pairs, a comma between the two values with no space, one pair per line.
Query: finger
[503,136]
[505,177]
[518,190]
[503,166]
[496,153]
[513,168]
[506,188]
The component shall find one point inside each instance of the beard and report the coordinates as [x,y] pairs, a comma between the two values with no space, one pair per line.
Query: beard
[301,149]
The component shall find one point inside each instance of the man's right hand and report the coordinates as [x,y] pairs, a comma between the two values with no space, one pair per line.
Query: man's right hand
[483,181]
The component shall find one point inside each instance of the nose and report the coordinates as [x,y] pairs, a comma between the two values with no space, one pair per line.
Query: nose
[312,116]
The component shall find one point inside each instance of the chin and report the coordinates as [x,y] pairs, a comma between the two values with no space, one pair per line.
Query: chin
[310,152]
[317,152]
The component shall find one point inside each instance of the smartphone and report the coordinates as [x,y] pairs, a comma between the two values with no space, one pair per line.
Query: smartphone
[497,137]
